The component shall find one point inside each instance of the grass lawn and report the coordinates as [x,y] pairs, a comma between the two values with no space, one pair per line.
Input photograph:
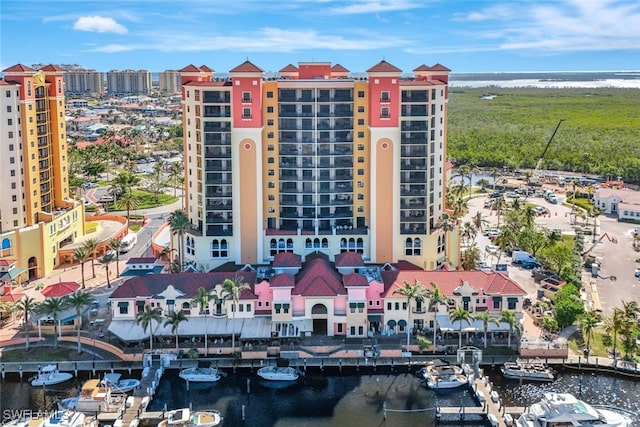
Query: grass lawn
[43,354]
[147,200]
[577,344]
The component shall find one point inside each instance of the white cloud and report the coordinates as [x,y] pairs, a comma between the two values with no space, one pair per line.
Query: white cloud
[99,24]
[375,6]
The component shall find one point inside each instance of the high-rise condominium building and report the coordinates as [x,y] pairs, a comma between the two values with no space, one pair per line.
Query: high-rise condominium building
[128,82]
[169,82]
[37,214]
[315,160]
[82,82]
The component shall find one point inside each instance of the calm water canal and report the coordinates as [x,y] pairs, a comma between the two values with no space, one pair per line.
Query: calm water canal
[332,398]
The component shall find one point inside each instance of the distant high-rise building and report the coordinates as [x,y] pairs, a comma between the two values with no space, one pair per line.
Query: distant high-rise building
[37,214]
[84,83]
[315,160]
[170,82]
[128,82]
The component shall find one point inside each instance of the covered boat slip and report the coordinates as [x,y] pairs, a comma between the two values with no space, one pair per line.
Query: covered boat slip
[255,328]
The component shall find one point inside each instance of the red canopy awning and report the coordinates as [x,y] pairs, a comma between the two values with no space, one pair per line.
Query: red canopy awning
[12,294]
[60,289]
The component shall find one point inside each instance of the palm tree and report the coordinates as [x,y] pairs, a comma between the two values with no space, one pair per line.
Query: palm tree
[486,318]
[479,222]
[81,255]
[612,326]
[174,319]
[202,299]
[79,301]
[459,315]
[145,319]
[436,299]
[588,322]
[179,225]
[231,289]
[128,202]
[52,307]
[114,245]
[105,261]
[447,223]
[25,306]
[175,175]
[509,318]
[90,245]
[415,292]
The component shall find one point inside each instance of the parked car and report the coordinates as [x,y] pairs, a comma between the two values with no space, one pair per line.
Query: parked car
[90,184]
[530,264]
[637,273]
[490,231]
[492,249]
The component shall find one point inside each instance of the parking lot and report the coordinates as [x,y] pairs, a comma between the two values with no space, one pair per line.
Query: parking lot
[618,260]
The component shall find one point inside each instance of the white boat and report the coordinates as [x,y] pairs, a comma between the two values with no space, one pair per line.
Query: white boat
[65,419]
[493,421]
[185,418]
[525,370]
[201,375]
[447,382]
[441,375]
[279,373]
[49,375]
[113,381]
[563,409]
[95,398]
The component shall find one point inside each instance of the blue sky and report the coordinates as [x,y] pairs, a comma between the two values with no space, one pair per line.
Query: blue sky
[465,36]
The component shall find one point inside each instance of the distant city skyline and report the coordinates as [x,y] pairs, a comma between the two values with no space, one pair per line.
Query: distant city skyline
[465,36]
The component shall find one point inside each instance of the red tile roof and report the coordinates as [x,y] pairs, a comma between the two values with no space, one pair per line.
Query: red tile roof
[289,69]
[247,67]
[487,282]
[349,259]
[287,259]
[206,69]
[339,69]
[51,67]
[190,69]
[187,283]
[318,278]
[355,279]
[384,67]
[439,67]
[283,280]
[422,67]
[6,262]
[18,68]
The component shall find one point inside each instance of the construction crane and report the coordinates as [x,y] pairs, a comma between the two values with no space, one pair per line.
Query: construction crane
[534,177]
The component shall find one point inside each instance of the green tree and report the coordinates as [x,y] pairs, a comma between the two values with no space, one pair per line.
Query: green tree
[415,292]
[176,175]
[460,315]
[80,255]
[174,318]
[53,307]
[79,301]
[447,223]
[114,245]
[105,260]
[568,305]
[91,245]
[145,319]
[436,299]
[486,319]
[26,305]
[231,290]
[179,225]
[128,202]
[509,318]
[470,258]
[202,299]
[588,322]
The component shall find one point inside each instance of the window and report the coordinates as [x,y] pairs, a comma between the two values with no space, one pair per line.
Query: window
[361,135]
[360,108]
[246,96]
[271,172]
[270,122]
[360,94]
[246,113]
[339,328]
[270,135]
[219,248]
[8,95]
[270,147]
[360,122]
[271,160]
[269,94]
[384,96]
[397,306]
[384,112]
[360,172]
[360,159]
[191,246]
[413,247]
[10,134]
[361,146]
[360,196]
[272,197]
[388,306]
[270,109]
[271,184]
[10,122]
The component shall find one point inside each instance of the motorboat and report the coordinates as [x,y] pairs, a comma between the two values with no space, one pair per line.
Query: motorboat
[113,381]
[441,375]
[185,418]
[95,397]
[201,375]
[65,419]
[279,373]
[563,409]
[49,375]
[534,370]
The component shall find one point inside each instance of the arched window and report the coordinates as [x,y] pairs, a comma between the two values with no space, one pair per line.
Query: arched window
[325,243]
[5,248]
[412,247]
[282,245]
[289,245]
[219,248]
[308,244]
[316,243]
[360,246]
[191,246]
